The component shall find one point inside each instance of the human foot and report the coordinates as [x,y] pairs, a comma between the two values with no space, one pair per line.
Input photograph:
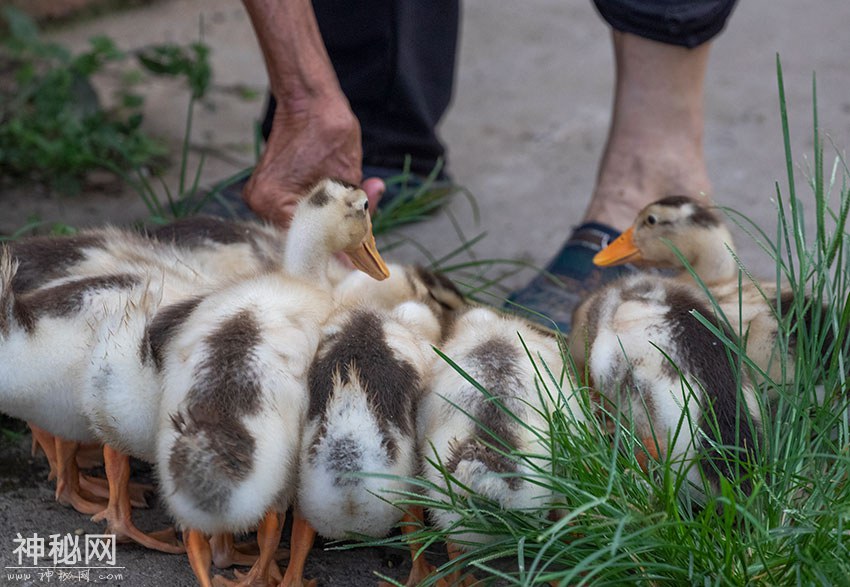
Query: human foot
[551,296]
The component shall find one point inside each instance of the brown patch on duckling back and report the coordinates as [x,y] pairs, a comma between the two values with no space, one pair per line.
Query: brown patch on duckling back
[474,450]
[344,458]
[494,365]
[444,297]
[43,258]
[319,198]
[226,381]
[162,328]
[360,349]
[68,298]
[724,418]
[197,230]
[214,450]
[786,305]
[441,289]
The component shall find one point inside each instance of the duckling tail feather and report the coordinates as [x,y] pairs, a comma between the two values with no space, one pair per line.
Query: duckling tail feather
[484,469]
[13,314]
[208,458]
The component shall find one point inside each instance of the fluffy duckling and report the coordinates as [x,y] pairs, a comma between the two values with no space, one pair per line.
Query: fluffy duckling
[406,283]
[234,371]
[46,337]
[365,383]
[648,358]
[192,254]
[698,233]
[120,396]
[469,431]
[199,249]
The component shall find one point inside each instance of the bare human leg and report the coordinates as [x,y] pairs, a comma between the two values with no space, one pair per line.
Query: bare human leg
[654,147]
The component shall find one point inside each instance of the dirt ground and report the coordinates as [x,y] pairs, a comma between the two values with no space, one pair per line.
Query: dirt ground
[525,132]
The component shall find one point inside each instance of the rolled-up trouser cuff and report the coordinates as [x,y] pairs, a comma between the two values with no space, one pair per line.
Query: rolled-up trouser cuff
[675,22]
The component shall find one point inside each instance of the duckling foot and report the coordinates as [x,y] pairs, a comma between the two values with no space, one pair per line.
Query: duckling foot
[226,553]
[118,511]
[200,556]
[300,543]
[260,575]
[45,442]
[455,579]
[90,456]
[100,488]
[412,521]
[651,450]
[68,490]
[274,573]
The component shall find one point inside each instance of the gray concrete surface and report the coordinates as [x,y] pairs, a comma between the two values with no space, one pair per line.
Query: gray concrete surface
[525,132]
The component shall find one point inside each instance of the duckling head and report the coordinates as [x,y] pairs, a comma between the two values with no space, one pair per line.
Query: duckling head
[670,224]
[333,217]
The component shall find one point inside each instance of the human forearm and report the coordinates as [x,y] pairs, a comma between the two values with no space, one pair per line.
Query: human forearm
[295,55]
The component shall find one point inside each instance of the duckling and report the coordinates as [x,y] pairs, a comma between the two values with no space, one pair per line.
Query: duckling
[649,358]
[119,395]
[406,283]
[234,374]
[470,433]
[52,265]
[203,248]
[46,336]
[698,233]
[191,254]
[365,383]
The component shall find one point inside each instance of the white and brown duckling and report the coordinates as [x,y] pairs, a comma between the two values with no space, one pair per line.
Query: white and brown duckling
[406,283]
[234,371]
[698,233]
[58,269]
[369,375]
[120,396]
[191,255]
[649,359]
[483,440]
[46,339]
[202,248]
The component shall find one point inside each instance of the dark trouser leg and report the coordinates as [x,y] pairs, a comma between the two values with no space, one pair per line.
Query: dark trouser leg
[676,22]
[395,62]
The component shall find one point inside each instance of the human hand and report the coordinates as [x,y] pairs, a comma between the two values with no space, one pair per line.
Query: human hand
[309,141]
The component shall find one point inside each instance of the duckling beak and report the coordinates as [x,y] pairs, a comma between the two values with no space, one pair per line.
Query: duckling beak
[620,251]
[367,259]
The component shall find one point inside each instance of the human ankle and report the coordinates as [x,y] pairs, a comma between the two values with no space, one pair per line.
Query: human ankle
[632,178]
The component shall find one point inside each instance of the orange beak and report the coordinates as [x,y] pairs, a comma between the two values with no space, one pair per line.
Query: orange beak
[621,250]
[367,259]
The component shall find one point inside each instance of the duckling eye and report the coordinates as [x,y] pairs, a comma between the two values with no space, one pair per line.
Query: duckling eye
[651,219]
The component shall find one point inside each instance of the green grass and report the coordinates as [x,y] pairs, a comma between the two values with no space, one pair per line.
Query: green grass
[622,525]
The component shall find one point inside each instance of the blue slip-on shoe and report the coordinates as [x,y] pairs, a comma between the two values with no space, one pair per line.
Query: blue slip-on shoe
[551,297]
